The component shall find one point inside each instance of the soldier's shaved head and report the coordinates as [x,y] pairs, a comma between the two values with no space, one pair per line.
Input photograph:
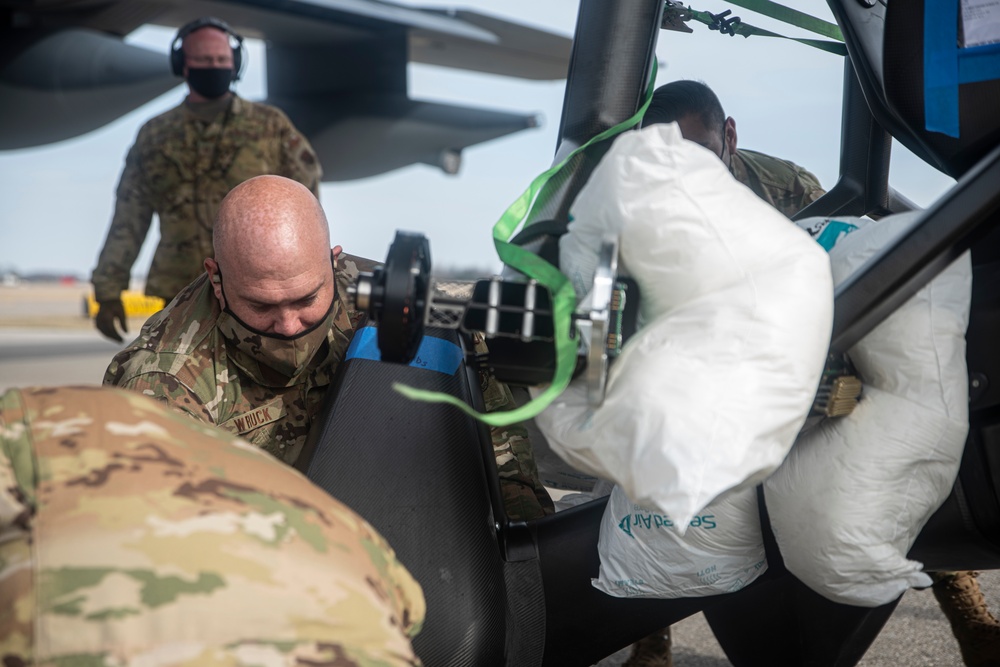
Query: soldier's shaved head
[272,250]
[268,222]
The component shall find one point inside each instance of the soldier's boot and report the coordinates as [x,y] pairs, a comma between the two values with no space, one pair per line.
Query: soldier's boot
[651,651]
[975,628]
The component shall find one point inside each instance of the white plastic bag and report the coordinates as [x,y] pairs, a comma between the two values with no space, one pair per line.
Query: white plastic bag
[737,309]
[641,556]
[848,503]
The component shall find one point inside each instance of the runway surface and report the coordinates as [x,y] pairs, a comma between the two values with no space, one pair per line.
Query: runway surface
[45,340]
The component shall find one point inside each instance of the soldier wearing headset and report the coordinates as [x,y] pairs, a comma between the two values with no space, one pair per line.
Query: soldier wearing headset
[185,161]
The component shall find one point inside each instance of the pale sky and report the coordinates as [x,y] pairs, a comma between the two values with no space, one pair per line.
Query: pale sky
[56,201]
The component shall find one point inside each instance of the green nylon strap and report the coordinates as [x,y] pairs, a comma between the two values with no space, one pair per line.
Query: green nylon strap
[533,266]
[792,17]
[747,30]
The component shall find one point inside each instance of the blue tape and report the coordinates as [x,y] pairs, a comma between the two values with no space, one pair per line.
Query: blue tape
[941,66]
[434,354]
[946,65]
[979,63]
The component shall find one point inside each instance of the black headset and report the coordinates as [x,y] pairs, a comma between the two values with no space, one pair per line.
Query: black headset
[177,51]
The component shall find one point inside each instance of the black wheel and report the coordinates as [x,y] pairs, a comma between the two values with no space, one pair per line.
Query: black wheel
[404,304]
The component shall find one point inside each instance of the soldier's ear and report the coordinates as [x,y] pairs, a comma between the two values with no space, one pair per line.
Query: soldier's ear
[215,276]
[729,134]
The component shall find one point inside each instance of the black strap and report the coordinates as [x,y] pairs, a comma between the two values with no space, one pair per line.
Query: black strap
[539,229]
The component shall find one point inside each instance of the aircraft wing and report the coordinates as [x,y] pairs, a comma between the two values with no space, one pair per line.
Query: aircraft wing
[337,67]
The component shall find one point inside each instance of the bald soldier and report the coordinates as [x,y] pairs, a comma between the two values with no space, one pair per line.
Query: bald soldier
[253,344]
[183,163]
[131,535]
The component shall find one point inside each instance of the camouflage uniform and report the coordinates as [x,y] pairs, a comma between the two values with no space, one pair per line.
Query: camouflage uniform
[181,357]
[524,496]
[180,167]
[130,535]
[782,184]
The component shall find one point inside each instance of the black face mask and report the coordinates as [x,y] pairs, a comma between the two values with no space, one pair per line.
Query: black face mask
[210,82]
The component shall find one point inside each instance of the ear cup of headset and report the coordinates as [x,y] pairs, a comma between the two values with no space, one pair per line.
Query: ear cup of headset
[177,51]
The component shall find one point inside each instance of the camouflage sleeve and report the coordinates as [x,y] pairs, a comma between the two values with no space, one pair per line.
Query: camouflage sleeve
[17,509]
[166,389]
[17,469]
[524,496]
[160,540]
[298,160]
[807,190]
[129,226]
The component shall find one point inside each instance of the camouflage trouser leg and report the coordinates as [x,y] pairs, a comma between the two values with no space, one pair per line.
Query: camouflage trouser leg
[524,497]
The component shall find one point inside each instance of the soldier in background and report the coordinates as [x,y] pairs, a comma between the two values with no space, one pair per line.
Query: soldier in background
[253,344]
[184,162]
[131,535]
[699,115]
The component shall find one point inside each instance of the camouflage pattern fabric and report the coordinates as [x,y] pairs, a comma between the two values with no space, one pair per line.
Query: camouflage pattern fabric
[524,495]
[782,184]
[130,535]
[182,358]
[181,168]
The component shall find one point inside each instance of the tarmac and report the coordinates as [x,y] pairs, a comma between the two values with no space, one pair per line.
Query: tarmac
[45,339]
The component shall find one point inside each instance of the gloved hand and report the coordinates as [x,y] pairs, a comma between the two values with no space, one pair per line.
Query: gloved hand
[107,313]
